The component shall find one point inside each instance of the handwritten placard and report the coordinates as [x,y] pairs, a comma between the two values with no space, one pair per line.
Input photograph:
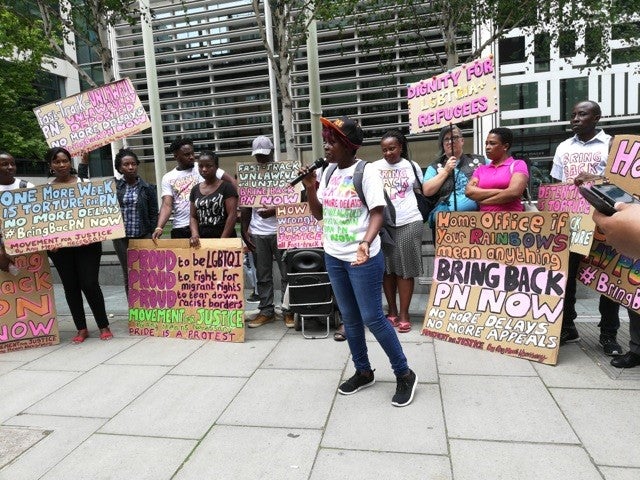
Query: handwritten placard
[94,118]
[461,94]
[267,184]
[499,282]
[60,215]
[565,197]
[297,228]
[27,306]
[181,292]
[605,270]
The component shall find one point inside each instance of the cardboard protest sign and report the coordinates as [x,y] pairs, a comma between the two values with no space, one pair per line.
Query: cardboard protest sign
[499,282]
[464,93]
[605,270]
[565,197]
[267,184]
[60,215]
[27,306]
[182,292]
[297,228]
[94,118]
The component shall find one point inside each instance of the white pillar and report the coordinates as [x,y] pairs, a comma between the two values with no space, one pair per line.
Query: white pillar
[160,164]
[313,72]
[273,87]
[482,125]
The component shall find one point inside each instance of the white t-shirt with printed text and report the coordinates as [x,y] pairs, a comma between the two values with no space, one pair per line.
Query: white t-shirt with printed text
[345,218]
[399,180]
[574,156]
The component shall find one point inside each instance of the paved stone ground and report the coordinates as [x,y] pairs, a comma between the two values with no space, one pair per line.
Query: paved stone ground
[153,408]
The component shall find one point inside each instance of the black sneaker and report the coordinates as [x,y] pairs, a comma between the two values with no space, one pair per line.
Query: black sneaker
[405,388]
[610,345]
[357,382]
[254,297]
[569,335]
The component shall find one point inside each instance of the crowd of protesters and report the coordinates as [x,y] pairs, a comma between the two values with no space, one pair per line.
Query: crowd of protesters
[202,201]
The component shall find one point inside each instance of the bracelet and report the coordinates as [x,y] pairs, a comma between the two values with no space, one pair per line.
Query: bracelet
[365,241]
[157,228]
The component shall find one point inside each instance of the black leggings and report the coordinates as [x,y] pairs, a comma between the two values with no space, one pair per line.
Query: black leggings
[78,268]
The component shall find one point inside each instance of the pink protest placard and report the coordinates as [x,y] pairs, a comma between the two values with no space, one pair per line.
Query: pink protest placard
[267,184]
[94,118]
[565,197]
[464,93]
[606,270]
[297,228]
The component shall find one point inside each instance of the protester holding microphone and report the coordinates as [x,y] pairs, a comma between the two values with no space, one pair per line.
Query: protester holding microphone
[353,256]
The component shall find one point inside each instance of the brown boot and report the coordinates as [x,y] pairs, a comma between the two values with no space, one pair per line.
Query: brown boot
[261,319]
[289,320]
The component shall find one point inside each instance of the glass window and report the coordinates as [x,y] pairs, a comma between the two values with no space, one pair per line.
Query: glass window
[519,96]
[511,50]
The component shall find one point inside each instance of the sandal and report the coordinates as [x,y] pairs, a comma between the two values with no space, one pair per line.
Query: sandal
[393,320]
[339,335]
[105,334]
[81,336]
[404,326]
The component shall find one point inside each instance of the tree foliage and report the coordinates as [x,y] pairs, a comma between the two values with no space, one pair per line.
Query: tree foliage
[445,27]
[22,48]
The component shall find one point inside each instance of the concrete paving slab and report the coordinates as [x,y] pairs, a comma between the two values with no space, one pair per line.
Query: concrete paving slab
[271,331]
[283,398]
[29,354]
[420,357]
[22,388]
[15,440]
[609,413]
[156,351]
[576,369]
[356,465]
[116,457]
[226,359]
[83,356]
[296,352]
[612,473]
[502,408]
[366,420]
[457,359]
[160,411]
[234,453]
[65,434]
[101,392]
[473,460]
[8,366]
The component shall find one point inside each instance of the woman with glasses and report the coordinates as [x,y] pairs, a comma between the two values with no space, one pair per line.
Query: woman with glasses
[446,179]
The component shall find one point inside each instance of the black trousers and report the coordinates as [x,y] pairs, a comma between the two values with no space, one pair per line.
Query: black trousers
[78,268]
[609,310]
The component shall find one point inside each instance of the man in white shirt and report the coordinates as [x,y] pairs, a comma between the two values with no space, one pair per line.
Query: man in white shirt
[262,225]
[585,153]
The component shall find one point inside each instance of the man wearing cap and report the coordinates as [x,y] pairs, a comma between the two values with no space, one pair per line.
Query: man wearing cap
[176,187]
[263,241]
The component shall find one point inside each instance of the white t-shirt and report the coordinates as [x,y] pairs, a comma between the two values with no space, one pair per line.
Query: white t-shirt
[262,226]
[399,180]
[574,156]
[15,185]
[345,218]
[178,184]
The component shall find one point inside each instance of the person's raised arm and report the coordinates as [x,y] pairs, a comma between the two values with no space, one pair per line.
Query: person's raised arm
[432,186]
[310,185]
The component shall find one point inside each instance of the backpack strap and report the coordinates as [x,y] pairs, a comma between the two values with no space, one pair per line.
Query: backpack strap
[419,180]
[357,179]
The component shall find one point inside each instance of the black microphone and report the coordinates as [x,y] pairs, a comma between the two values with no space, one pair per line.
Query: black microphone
[314,166]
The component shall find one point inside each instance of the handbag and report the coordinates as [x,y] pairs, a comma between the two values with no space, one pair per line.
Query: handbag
[425,204]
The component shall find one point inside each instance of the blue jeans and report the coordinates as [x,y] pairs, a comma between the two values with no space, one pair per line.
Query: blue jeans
[358,291]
